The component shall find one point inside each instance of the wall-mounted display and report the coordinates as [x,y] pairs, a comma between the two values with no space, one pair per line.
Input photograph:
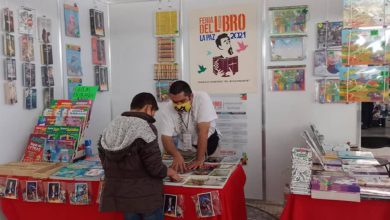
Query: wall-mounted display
[11,96]
[9,45]
[9,69]
[329,34]
[73,60]
[30,98]
[26,20]
[327,62]
[288,20]
[97,22]
[72,26]
[98,51]
[29,78]
[44,30]
[27,48]
[47,76]
[8,20]
[289,78]
[287,48]
[166,23]
[72,83]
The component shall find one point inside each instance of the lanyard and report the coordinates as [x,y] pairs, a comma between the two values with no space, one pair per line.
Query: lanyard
[188,120]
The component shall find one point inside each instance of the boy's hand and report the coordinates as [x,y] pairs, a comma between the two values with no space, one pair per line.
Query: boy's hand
[173,175]
[178,163]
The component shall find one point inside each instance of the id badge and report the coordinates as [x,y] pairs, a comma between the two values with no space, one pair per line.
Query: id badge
[187,143]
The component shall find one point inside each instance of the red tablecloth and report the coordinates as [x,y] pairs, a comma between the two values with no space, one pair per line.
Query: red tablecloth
[300,207]
[232,202]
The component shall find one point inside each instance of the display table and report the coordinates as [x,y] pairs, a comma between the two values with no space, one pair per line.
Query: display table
[232,202]
[299,207]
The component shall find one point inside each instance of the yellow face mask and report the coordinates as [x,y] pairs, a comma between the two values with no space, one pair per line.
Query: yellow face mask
[186,107]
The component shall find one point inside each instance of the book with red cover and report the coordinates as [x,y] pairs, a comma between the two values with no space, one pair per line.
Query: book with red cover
[34,148]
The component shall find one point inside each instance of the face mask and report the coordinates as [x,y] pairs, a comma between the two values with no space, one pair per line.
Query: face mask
[186,107]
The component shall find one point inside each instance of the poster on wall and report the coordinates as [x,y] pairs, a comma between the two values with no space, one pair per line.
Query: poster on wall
[166,23]
[44,30]
[223,49]
[71,14]
[287,78]
[26,20]
[287,48]
[73,60]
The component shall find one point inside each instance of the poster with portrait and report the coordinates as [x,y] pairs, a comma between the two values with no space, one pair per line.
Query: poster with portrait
[223,49]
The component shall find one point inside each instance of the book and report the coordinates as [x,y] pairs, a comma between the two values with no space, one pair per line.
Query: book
[59,150]
[71,16]
[27,48]
[92,174]
[9,69]
[205,182]
[98,51]
[288,20]
[166,49]
[363,170]
[355,154]
[28,74]
[97,22]
[9,45]
[35,147]
[72,83]
[30,98]
[162,90]
[48,95]
[44,30]
[221,173]
[8,22]
[73,60]
[47,76]
[287,48]
[288,78]
[46,54]
[327,62]
[335,188]
[26,20]
[67,173]
[361,162]
[165,71]
[166,23]
[101,78]
[373,181]
[329,34]
[80,194]
[11,96]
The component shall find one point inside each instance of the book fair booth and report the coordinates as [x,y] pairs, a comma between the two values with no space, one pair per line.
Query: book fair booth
[286,80]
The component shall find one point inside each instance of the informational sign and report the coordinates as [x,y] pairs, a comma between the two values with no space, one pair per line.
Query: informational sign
[84,93]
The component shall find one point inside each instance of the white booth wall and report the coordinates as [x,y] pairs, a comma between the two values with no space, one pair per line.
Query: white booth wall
[287,114]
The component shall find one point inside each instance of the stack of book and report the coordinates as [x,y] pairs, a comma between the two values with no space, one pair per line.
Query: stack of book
[84,170]
[301,171]
[58,135]
[344,188]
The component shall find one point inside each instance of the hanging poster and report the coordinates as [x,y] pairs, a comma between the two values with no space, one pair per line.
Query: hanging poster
[73,60]
[72,27]
[26,20]
[167,23]
[44,30]
[290,78]
[287,48]
[288,20]
[223,49]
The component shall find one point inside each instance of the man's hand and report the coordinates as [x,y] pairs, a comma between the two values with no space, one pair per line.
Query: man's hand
[196,164]
[178,163]
[173,175]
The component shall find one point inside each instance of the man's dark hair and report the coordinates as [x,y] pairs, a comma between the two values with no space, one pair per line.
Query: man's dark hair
[180,86]
[142,99]
[219,38]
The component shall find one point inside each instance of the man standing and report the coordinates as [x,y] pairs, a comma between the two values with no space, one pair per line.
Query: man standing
[188,126]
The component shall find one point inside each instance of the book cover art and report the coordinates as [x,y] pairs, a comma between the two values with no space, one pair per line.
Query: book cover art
[26,20]
[288,20]
[72,83]
[48,95]
[328,91]
[166,23]
[165,71]
[333,37]
[205,182]
[327,62]
[288,79]
[55,192]
[162,90]
[33,191]
[287,48]
[8,22]
[166,49]
[204,205]
[47,76]
[321,34]
[11,96]
[71,14]
[46,54]
[30,98]
[9,45]
[98,51]
[44,30]
[101,78]
[10,69]
[363,13]
[73,60]
[97,22]
[27,48]
[34,149]
[28,74]
[11,189]
[59,150]
[80,194]
[363,47]
[334,183]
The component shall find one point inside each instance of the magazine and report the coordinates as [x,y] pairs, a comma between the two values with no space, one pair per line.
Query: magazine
[27,48]
[48,95]
[47,76]
[101,78]
[98,51]
[205,182]
[9,45]
[28,74]
[34,148]
[30,98]
[97,22]
[72,83]
[46,54]
[8,22]
[10,69]
[26,20]
[71,14]
[10,93]
[73,60]
[44,30]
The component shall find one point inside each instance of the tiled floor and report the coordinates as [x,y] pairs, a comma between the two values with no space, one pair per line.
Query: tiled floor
[260,210]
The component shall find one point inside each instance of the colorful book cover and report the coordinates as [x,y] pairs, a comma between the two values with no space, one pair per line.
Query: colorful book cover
[26,20]
[47,120]
[44,30]
[34,148]
[48,95]
[9,45]
[363,13]
[73,60]
[363,47]
[71,14]
[162,90]
[68,173]
[321,34]
[72,83]
[10,69]
[333,37]
[55,192]
[29,75]
[327,62]
[98,51]
[63,132]
[288,20]
[166,49]
[11,96]
[328,91]
[80,195]
[27,48]
[59,150]
[288,79]
[32,191]
[8,22]
[287,48]
[335,183]
[166,71]
[11,189]
[167,23]
[46,54]
[30,98]
[364,84]
[97,22]
[47,76]
[38,129]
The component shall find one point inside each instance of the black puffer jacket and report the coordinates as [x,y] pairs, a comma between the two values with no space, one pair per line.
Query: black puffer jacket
[132,163]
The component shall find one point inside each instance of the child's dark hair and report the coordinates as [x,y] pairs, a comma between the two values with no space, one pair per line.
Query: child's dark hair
[180,86]
[142,99]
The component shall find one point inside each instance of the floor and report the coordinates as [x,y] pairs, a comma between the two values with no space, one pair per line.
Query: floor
[260,210]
